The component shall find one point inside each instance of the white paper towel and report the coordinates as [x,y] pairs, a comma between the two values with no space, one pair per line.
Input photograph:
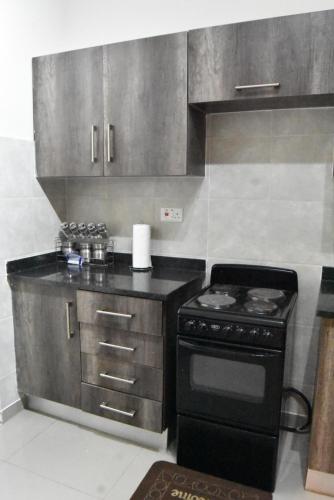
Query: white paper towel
[141,246]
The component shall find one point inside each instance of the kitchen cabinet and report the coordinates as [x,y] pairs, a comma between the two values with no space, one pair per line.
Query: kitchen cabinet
[117,110]
[113,328]
[47,343]
[285,61]
[68,113]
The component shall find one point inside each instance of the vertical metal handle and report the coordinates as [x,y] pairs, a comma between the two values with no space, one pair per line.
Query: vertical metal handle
[70,332]
[110,143]
[93,157]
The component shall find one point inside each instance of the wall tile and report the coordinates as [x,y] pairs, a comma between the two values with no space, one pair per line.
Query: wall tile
[111,187]
[180,187]
[298,232]
[185,238]
[302,149]
[238,150]
[17,173]
[305,121]
[237,229]
[302,354]
[245,123]
[233,181]
[5,298]
[8,390]
[302,182]
[7,354]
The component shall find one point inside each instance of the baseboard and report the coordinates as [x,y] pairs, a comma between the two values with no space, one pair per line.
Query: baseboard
[320,482]
[10,410]
[138,436]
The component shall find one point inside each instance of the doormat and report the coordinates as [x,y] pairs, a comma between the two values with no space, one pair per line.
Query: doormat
[167,481]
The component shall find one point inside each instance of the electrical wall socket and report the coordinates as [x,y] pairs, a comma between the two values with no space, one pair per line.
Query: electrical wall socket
[171,214]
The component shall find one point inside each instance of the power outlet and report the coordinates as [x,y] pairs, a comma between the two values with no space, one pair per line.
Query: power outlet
[171,214]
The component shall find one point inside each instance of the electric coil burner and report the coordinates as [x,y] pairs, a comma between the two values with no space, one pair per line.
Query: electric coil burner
[230,367]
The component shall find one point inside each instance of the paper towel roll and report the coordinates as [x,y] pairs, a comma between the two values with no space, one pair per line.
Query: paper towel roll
[141,246]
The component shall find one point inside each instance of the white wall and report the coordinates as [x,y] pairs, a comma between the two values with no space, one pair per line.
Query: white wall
[36,27]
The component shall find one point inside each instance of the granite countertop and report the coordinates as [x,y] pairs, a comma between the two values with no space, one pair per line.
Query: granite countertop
[325,307]
[167,276]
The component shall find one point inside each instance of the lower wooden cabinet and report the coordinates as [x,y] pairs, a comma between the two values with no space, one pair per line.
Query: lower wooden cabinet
[120,345]
[130,378]
[125,408]
[47,343]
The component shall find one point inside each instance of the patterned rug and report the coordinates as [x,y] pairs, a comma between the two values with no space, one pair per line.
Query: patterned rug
[166,481]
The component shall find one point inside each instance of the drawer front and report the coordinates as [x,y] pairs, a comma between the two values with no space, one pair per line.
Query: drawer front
[120,312]
[135,379]
[124,408]
[119,345]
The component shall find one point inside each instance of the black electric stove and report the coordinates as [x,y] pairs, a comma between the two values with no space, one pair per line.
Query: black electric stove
[253,313]
[230,367]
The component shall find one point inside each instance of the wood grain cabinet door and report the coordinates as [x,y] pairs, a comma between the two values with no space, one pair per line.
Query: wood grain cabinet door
[304,54]
[145,104]
[224,57]
[295,52]
[47,342]
[68,113]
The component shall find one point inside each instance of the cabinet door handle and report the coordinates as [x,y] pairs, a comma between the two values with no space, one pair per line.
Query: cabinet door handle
[115,346]
[130,413]
[70,332]
[93,157]
[129,381]
[110,143]
[257,86]
[116,314]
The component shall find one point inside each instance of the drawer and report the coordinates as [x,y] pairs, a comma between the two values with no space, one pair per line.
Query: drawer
[135,379]
[120,312]
[121,407]
[119,345]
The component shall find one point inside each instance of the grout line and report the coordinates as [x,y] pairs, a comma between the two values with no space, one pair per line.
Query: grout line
[123,473]
[12,455]
[51,480]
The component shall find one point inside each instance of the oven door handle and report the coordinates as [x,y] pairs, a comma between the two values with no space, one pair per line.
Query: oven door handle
[243,352]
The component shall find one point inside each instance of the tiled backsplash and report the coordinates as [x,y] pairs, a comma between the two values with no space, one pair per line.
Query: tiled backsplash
[268,198]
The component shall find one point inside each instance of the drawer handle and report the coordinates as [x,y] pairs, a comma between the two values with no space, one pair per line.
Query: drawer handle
[130,381]
[111,313]
[257,86]
[115,346]
[105,406]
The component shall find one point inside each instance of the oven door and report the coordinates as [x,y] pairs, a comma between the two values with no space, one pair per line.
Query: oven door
[232,384]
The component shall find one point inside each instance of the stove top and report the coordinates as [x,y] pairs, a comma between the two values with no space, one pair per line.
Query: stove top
[253,306]
[248,302]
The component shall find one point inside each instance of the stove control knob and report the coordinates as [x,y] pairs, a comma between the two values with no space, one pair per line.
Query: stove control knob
[189,325]
[239,330]
[267,333]
[254,332]
[215,327]
[227,328]
[202,326]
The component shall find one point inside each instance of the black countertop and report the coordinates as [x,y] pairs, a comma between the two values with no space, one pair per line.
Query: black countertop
[325,307]
[167,276]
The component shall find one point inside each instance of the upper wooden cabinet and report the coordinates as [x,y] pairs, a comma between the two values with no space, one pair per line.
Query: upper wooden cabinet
[117,110]
[68,113]
[286,61]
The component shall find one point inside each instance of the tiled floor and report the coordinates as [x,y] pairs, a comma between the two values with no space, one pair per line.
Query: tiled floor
[42,458]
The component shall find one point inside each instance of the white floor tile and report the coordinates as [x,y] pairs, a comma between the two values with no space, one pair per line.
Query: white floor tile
[79,458]
[135,472]
[21,429]
[19,484]
[290,484]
